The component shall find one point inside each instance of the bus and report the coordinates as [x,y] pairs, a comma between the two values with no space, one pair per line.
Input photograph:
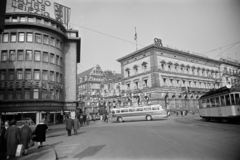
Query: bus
[148,113]
[221,104]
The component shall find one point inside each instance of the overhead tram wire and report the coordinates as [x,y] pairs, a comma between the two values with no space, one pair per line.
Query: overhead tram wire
[227,49]
[106,34]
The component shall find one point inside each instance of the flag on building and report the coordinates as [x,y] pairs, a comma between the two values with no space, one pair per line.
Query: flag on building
[135,36]
[62,13]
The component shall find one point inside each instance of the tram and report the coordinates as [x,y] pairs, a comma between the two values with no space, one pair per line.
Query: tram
[221,104]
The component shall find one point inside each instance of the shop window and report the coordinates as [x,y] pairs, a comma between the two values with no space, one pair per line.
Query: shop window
[5,38]
[38,38]
[4,56]
[29,37]
[28,74]
[20,55]
[37,56]
[12,55]
[35,93]
[19,74]
[21,37]
[36,75]
[28,55]
[13,37]
[3,75]
[45,57]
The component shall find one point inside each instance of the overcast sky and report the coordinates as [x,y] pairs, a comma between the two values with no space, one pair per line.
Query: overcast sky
[194,25]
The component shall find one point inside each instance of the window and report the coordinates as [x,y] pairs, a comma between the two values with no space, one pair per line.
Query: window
[58,44]
[20,55]
[51,76]
[57,77]
[237,99]
[11,75]
[21,37]
[2,95]
[128,86]
[30,19]
[44,94]
[29,37]
[14,19]
[52,58]
[60,63]
[45,40]
[46,22]
[232,99]
[28,55]
[10,95]
[57,94]
[4,56]
[51,94]
[19,75]
[57,60]
[60,78]
[27,94]
[45,75]
[5,38]
[28,74]
[38,38]
[3,75]
[145,83]
[208,103]
[22,19]
[45,57]
[227,97]
[36,75]
[13,37]
[12,56]
[212,102]
[139,109]
[18,94]
[38,20]
[136,85]
[37,56]
[35,93]
[52,41]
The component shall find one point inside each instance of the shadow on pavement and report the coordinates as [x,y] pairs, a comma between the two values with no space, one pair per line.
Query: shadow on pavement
[90,151]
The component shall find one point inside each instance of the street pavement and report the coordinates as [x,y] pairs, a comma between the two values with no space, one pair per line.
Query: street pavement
[160,139]
[174,138]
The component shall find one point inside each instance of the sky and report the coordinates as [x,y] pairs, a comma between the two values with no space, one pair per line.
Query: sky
[107,28]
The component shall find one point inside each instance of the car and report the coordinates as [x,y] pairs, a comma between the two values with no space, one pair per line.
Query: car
[30,122]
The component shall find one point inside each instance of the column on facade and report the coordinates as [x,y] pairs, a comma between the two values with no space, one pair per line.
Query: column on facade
[37,117]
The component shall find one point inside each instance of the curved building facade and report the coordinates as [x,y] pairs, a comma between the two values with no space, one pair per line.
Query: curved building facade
[37,65]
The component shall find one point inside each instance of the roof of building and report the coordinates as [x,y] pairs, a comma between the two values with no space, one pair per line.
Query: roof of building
[85,73]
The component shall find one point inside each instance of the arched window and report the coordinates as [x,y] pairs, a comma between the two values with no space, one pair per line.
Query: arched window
[128,72]
[144,66]
[135,68]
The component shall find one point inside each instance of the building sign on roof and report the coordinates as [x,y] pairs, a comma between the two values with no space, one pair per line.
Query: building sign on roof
[46,8]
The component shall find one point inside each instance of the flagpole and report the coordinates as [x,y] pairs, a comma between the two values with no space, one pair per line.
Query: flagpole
[136,38]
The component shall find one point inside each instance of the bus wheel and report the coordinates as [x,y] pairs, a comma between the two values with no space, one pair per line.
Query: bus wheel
[120,119]
[149,118]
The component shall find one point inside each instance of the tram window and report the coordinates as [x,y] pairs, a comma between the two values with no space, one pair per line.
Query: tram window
[208,103]
[232,99]
[217,101]
[139,109]
[204,103]
[117,111]
[223,102]
[126,110]
[212,102]
[131,110]
[227,100]
[237,99]
[147,109]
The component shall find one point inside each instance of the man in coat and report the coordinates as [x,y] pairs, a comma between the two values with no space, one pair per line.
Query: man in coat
[76,125]
[3,147]
[69,125]
[12,137]
[26,136]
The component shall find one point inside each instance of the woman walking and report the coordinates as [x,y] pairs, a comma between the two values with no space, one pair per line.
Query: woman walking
[40,133]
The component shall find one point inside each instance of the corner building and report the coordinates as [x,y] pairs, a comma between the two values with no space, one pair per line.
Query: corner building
[38,70]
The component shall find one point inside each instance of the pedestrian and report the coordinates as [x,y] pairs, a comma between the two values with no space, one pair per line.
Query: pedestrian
[76,125]
[3,148]
[84,118]
[40,133]
[26,136]
[81,120]
[12,137]
[94,117]
[106,117]
[88,119]
[69,125]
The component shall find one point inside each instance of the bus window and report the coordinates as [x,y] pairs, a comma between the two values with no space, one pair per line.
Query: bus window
[237,99]
[208,103]
[212,102]
[118,111]
[131,110]
[139,109]
[232,99]
[227,100]
[154,108]
[125,110]
[217,101]
[113,112]
[223,102]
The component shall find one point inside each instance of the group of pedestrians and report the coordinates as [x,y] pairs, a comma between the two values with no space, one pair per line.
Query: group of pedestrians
[12,136]
[72,124]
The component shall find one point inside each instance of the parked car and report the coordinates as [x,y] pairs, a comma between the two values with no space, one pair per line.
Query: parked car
[32,125]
